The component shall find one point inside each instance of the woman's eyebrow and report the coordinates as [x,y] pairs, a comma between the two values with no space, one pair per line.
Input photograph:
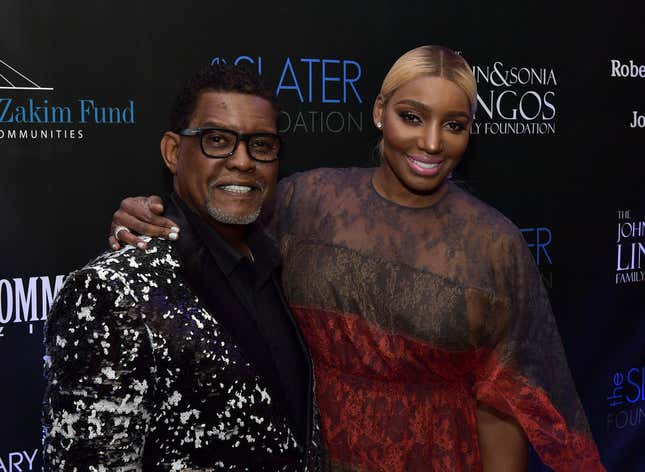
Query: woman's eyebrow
[427,109]
[415,104]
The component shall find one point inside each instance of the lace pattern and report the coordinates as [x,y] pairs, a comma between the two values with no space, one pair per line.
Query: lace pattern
[413,315]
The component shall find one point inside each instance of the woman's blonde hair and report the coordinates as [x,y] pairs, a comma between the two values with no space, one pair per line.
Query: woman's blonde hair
[433,61]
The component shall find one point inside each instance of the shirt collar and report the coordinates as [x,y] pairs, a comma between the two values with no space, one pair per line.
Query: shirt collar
[226,256]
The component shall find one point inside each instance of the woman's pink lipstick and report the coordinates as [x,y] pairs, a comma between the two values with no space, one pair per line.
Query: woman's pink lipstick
[424,166]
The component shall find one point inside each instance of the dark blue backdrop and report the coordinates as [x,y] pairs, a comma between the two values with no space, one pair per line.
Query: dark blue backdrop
[557,147]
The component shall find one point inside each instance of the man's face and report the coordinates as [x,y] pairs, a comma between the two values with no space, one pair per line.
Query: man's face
[230,190]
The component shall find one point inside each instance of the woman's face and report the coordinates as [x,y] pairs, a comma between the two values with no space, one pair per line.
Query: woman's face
[425,124]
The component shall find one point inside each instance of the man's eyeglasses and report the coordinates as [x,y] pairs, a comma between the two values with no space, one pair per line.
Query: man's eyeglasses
[220,143]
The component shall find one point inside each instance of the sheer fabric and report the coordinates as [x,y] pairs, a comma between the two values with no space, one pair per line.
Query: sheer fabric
[414,315]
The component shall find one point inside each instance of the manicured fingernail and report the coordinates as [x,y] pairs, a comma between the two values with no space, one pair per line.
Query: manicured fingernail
[173,236]
[141,245]
[174,229]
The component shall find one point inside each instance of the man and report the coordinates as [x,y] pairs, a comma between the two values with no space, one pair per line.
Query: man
[185,356]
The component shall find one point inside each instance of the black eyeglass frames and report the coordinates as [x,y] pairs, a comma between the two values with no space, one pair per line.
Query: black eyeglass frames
[220,143]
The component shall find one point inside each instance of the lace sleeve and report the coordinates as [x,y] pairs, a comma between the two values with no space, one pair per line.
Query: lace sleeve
[526,374]
[275,214]
[99,373]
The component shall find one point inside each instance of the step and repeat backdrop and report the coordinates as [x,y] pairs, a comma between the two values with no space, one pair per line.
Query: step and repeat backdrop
[557,146]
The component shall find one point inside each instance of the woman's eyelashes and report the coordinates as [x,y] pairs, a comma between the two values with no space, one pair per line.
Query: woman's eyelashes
[455,126]
[410,117]
[414,119]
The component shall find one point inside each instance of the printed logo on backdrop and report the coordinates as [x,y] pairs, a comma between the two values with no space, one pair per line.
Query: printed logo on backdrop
[25,302]
[629,70]
[515,99]
[29,111]
[626,400]
[320,94]
[538,240]
[630,248]
[19,461]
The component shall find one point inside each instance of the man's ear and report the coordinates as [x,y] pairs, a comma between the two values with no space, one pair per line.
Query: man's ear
[377,112]
[170,150]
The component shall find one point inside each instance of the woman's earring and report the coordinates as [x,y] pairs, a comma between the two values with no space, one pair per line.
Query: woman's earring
[379,125]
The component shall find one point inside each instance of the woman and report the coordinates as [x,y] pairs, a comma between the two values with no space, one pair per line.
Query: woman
[432,337]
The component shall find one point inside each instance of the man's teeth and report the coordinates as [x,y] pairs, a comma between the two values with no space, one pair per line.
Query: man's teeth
[236,188]
[426,165]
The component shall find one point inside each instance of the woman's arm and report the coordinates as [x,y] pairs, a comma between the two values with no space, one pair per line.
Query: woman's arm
[502,443]
[142,215]
[525,374]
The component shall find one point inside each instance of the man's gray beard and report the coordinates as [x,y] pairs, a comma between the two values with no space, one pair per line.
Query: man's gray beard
[226,218]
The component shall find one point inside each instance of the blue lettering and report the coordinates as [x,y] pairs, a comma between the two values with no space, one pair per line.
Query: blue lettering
[310,62]
[61,115]
[295,86]
[86,108]
[249,59]
[218,60]
[3,113]
[326,78]
[635,384]
[350,81]
[540,244]
[21,115]
[106,115]
[128,113]
[34,117]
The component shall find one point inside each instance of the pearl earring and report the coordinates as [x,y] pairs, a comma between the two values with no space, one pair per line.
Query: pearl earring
[379,125]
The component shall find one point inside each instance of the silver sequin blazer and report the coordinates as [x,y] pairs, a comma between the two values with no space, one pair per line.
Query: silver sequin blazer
[142,377]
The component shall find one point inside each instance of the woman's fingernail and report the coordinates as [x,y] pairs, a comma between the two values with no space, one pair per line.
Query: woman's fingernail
[173,236]
[141,245]
[115,246]
[174,229]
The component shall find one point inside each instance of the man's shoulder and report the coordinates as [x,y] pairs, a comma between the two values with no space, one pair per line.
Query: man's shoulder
[114,281]
[159,254]
[129,269]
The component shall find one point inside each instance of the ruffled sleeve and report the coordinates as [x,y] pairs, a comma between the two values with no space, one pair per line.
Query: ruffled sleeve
[525,373]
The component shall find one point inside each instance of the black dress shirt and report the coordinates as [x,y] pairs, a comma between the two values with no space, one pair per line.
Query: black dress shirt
[265,328]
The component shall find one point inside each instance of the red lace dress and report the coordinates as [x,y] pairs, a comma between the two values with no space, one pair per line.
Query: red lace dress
[414,315]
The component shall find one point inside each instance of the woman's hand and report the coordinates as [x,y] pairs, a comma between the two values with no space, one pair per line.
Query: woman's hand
[141,215]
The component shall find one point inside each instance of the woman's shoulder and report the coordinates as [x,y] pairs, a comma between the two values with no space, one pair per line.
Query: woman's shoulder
[327,176]
[480,214]
[325,184]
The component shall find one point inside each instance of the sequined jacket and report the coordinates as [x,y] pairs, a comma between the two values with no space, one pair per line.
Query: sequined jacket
[141,376]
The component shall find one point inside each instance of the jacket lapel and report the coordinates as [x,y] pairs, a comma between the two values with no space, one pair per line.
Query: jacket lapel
[223,300]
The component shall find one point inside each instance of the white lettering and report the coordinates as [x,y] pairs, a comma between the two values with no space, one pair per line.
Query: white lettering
[638,121]
[31,458]
[5,286]
[632,70]
[25,302]
[14,461]
[49,295]
[21,299]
